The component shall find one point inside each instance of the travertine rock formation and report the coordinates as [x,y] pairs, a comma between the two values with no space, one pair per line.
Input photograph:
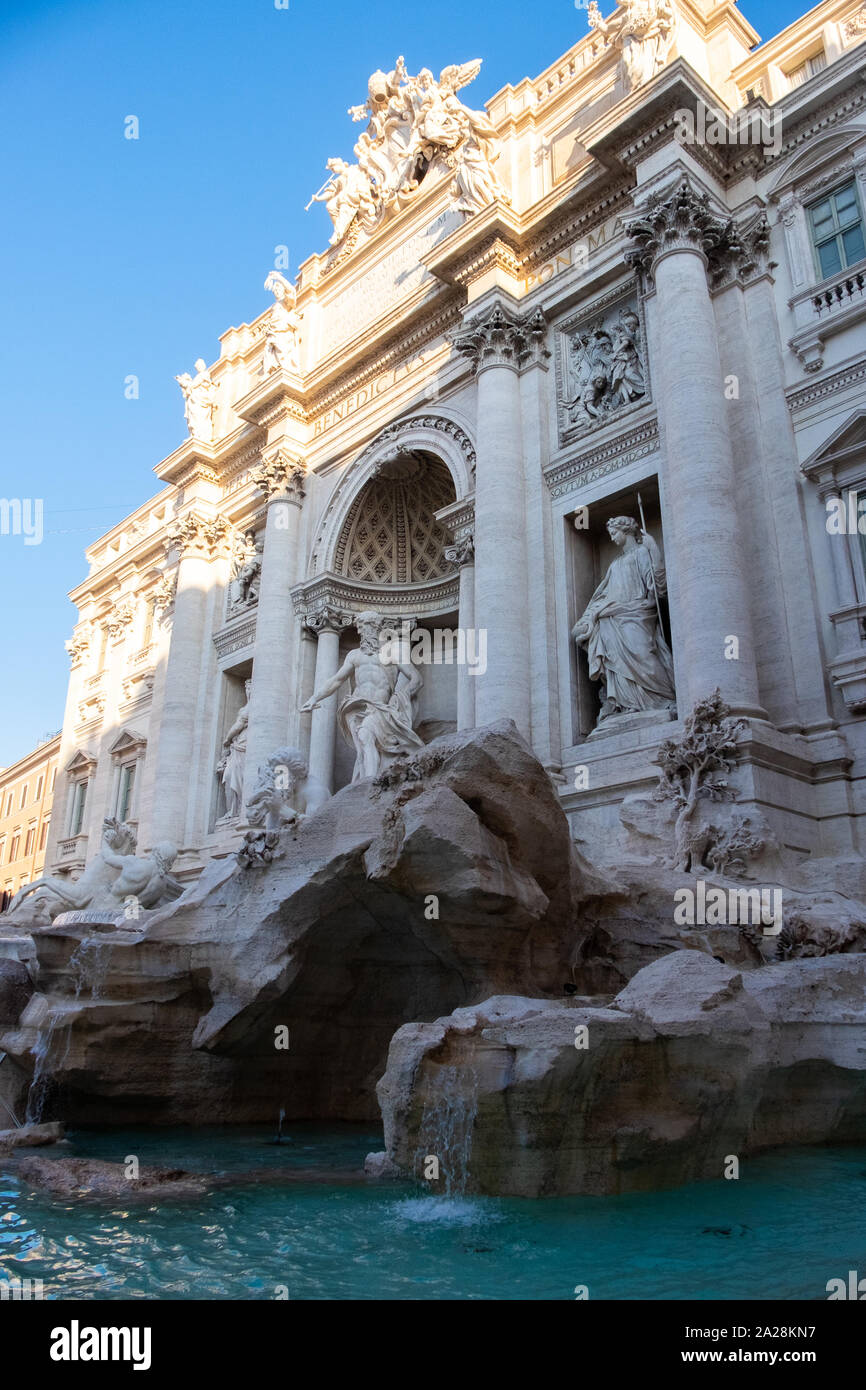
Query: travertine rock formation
[452,878]
[692,1062]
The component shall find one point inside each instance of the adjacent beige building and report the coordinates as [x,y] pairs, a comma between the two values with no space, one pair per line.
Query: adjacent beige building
[26,797]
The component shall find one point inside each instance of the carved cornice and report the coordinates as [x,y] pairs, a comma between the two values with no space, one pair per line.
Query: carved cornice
[462,552]
[399,348]
[567,476]
[502,338]
[237,635]
[196,534]
[840,381]
[280,477]
[494,254]
[346,596]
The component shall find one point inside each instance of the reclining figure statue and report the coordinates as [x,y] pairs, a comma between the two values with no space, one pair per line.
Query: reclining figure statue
[109,880]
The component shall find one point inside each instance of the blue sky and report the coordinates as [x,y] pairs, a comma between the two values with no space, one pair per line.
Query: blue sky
[131,256]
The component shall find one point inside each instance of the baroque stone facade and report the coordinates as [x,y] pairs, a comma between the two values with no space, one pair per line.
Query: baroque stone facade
[569,403]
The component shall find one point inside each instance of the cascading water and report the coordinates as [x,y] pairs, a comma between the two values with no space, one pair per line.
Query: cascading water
[447,1124]
[88,964]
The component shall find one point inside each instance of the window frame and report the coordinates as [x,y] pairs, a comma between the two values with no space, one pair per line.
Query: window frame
[829,195]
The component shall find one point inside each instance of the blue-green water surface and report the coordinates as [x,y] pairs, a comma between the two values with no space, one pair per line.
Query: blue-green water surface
[793,1220]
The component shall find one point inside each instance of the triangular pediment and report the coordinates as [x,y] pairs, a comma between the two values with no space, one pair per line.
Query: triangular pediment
[127,741]
[82,761]
[847,444]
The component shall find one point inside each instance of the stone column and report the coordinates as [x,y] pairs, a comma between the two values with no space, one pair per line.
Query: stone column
[198,539]
[272,697]
[327,624]
[462,553]
[779,451]
[500,343]
[712,579]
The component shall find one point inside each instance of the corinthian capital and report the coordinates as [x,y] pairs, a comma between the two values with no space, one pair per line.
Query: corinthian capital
[196,534]
[280,475]
[502,338]
[462,552]
[683,221]
[327,620]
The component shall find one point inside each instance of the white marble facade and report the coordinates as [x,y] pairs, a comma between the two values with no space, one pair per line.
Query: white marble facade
[529,321]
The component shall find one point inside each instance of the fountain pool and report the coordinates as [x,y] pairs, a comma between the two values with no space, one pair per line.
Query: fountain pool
[793,1220]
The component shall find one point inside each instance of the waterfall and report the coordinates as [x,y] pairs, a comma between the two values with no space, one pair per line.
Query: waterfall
[87,964]
[42,1076]
[447,1124]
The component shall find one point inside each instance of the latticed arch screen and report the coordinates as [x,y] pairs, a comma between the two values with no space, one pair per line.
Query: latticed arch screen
[391,535]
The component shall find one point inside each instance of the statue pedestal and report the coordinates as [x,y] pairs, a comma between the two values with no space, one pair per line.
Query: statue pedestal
[639,719]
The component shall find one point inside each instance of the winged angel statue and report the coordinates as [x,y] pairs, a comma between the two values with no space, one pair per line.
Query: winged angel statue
[414,123]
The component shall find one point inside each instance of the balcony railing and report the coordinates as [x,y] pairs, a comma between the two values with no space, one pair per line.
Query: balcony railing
[842,292]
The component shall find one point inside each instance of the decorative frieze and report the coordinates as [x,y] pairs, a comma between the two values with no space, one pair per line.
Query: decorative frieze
[601,367]
[502,338]
[566,477]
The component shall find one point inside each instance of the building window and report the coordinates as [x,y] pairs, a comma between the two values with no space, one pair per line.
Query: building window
[2,849]
[79,801]
[53,779]
[836,225]
[13,849]
[38,796]
[24,790]
[816,63]
[9,804]
[43,832]
[125,785]
[30,841]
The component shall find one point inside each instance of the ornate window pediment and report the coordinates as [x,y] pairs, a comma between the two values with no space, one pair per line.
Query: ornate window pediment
[82,764]
[128,744]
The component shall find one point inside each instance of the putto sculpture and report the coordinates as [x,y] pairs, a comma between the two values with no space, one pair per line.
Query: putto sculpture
[200,401]
[621,629]
[377,717]
[415,124]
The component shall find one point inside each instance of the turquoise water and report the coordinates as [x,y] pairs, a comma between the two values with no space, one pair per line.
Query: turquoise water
[793,1220]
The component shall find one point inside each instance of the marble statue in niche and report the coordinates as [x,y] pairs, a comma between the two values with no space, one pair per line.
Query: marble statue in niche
[246,572]
[621,630]
[231,764]
[378,716]
[200,403]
